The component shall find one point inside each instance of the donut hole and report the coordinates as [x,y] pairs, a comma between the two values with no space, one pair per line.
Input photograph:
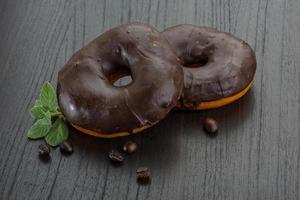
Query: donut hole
[123,81]
[195,62]
[121,78]
[198,55]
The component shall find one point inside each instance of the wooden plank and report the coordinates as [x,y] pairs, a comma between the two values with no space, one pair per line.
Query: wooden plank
[255,156]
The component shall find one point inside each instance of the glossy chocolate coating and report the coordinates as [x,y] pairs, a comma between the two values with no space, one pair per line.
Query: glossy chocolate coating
[87,97]
[226,64]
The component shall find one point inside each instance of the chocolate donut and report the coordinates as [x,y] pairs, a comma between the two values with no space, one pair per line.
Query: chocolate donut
[93,105]
[218,67]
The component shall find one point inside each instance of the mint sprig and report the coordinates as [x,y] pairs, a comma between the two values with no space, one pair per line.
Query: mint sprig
[45,110]
[57,133]
[41,127]
[38,112]
[48,98]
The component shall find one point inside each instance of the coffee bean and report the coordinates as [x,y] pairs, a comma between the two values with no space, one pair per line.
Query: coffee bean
[66,148]
[210,125]
[44,150]
[115,156]
[130,147]
[143,174]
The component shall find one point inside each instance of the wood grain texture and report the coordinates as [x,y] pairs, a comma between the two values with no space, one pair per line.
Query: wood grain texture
[256,154]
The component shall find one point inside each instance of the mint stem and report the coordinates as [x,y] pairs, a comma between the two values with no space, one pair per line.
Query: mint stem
[56,114]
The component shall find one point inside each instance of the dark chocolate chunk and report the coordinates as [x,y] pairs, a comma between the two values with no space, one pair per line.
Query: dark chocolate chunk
[66,148]
[210,125]
[130,147]
[44,150]
[115,156]
[143,174]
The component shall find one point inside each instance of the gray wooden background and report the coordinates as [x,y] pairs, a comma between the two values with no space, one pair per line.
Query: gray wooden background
[256,154]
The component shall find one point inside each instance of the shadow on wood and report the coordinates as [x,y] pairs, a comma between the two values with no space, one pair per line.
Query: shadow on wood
[161,144]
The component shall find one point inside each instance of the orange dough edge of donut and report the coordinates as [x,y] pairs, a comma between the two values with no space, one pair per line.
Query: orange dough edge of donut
[113,135]
[201,106]
[224,101]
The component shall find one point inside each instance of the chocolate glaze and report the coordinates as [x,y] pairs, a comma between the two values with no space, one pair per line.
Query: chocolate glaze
[215,64]
[87,96]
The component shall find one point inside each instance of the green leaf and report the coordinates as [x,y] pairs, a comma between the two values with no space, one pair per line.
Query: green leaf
[38,112]
[40,128]
[48,97]
[58,133]
[38,103]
